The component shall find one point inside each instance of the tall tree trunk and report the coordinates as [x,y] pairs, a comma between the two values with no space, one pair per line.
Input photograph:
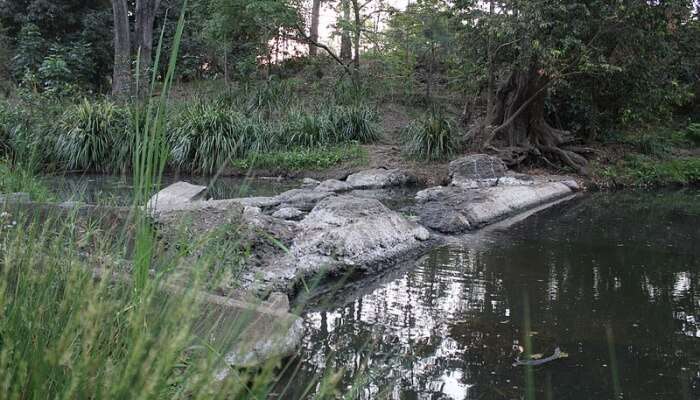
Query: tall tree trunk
[358,33]
[121,79]
[315,16]
[491,86]
[519,116]
[145,18]
[345,41]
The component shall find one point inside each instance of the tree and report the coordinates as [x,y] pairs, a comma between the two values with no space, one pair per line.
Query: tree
[145,16]
[345,41]
[121,80]
[315,17]
[544,45]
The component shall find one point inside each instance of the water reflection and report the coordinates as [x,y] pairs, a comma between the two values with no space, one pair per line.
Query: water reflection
[116,190]
[447,328]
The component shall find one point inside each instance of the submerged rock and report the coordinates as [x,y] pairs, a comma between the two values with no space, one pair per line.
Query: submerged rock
[380,178]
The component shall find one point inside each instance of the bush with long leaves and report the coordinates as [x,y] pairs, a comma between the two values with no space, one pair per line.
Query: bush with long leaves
[432,137]
[204,136]
[354,123]
[87,135]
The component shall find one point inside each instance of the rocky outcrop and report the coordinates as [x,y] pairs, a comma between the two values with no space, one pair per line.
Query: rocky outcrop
[380,178]
[288,213]
[482,192]
[333,185]
[174,197]
[343,234]
[302,199]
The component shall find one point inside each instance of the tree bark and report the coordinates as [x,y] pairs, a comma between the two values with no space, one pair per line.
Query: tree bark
[491,69]
[145,18]
[121,78]
[519,118]
[315,17]
[345,41]
[358,33]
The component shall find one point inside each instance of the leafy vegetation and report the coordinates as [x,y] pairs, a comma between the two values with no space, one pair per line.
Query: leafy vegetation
[432,137]
[297,159]
[644,171]
[88,135]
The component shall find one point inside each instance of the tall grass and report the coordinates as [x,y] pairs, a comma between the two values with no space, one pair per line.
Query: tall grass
[205,136]
[354,123]
[432,137]
[88,132]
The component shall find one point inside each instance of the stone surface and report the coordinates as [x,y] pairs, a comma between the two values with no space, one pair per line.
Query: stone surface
[333,185]
[289,213]
[175,196]
[455,209]
[309,183]
[343,234]
[303,199]
[477,170]
[260,202]
[380,178]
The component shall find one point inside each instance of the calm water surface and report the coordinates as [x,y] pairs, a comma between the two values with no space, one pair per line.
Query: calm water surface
[611,279]
[116,190]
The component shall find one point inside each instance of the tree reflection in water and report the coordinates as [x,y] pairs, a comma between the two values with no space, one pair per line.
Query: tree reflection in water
[447,327]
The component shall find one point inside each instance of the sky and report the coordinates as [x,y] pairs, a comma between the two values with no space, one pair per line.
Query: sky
[328,18]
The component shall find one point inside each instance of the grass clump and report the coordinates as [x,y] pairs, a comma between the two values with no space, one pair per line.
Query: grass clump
[204,136]
[693,133]
[354,123]
[432,137]
[87,135]
[301,129]
[644,171]
[298,159]
[15,179]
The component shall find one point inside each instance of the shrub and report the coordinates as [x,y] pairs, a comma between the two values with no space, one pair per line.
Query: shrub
[432,137]
[88,133]
[16,178]
[301,129]
[204,136]
[354,123]
[693,133]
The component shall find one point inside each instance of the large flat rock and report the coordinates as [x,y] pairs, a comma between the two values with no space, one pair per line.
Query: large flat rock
[344,234]
[380,178]
[174,197]
[455,209]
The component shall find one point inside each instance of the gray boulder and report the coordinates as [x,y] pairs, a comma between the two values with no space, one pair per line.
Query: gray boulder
[333,185]
[303,199]
[343,233]
[455,209]
[380,178]
[288,213]
[477,170]
[309,183]
[260,202]
[174,197]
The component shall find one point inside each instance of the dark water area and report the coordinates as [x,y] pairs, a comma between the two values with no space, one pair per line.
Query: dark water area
[116,190]
[611,279]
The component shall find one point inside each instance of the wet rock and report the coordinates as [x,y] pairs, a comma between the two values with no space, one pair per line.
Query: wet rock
[477,170]
[174,197]
[380,178]
[344,233]
[456,209]
[288,213]
[309,183]
[260,202]
[333,185]
[303,199]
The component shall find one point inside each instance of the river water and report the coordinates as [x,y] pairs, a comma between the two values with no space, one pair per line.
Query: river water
[613,280]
